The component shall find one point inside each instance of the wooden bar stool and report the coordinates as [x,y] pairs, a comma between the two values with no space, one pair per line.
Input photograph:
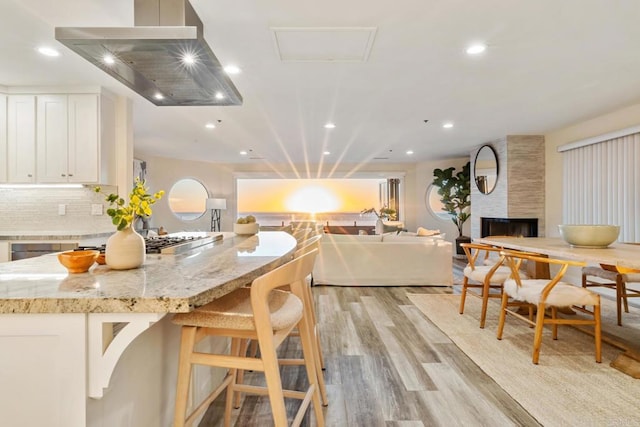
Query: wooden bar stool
[261,313]
[309,245]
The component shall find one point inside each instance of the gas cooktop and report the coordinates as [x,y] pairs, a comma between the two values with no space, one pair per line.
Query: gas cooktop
[178,243]
[175,243]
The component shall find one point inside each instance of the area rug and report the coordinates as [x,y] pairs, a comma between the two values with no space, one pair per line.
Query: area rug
[567,388]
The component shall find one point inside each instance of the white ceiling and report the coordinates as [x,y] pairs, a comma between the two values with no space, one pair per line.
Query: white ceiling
[549,64]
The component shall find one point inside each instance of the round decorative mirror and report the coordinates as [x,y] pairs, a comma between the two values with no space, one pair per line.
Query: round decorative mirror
[187,199]
[434,204]
[485,169]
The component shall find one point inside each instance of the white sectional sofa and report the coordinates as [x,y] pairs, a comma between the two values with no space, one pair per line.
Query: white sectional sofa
[383,260]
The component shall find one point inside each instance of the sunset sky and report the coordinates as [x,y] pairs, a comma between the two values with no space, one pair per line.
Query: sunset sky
[307,195]
[187,195]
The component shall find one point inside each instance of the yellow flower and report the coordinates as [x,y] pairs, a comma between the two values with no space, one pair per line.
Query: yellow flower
[139,204]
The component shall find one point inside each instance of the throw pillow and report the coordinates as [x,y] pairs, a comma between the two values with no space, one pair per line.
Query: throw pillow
[426,232]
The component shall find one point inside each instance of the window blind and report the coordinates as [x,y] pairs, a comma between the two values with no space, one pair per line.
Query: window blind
[601,185]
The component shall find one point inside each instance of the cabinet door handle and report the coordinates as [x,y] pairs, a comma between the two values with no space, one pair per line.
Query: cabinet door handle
[70,174]
[62,174]
[29,175]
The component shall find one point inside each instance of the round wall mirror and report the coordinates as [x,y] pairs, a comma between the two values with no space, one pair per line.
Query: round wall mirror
[187,199]
[434,204]
[485,169]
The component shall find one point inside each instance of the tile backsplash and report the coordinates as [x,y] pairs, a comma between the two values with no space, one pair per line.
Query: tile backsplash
[37,209]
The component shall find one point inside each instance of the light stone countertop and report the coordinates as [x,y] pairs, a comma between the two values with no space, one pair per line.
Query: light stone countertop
[620,254]
[164,284]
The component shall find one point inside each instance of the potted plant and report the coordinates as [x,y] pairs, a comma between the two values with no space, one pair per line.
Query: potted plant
[455,195]
[385,214]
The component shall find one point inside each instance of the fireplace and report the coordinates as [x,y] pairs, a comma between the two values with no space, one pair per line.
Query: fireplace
[522,227]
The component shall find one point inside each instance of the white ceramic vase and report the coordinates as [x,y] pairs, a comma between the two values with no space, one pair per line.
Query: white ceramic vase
[125,249]
[379,226]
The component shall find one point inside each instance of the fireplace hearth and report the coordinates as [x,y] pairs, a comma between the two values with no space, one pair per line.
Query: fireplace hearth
[521,227]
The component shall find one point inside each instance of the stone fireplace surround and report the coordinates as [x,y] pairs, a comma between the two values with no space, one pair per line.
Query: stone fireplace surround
[519,192]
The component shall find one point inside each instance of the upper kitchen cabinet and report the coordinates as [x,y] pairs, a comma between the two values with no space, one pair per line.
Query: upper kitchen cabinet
[21,138]
[52,138]
[75,139]
[3,137]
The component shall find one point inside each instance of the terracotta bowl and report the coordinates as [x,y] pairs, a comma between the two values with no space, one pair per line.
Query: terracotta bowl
[78,261]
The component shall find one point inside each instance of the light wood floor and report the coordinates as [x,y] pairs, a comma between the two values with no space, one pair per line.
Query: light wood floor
[387,365]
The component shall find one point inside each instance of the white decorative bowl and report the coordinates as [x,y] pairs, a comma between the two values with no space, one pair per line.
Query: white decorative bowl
[589,235]
[246,229]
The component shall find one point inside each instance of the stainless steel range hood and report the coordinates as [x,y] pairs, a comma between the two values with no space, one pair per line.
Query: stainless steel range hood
[152,58]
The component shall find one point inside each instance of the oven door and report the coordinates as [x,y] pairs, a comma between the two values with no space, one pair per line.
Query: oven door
[31,250]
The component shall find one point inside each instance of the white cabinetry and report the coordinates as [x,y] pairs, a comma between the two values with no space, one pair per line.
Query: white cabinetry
[3,138]
[52,136]
[84,158]
[59,138]
[68,138]
[21,138]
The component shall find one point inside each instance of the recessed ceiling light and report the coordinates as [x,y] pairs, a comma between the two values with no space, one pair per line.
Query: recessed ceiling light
[210,126]
[219,95]
[158,96]
[447,125]
[326,153]
[108,59]
[477,48]
[409,152]
[329,126]
[232,69]
[48,51]
[243,153]
[188,59]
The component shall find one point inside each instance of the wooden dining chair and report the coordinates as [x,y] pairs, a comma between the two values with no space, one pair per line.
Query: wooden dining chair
[616,278]
[485,271]
[547,293]
[261,312]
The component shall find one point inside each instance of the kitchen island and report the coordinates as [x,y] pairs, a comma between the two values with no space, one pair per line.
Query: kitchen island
[96,348]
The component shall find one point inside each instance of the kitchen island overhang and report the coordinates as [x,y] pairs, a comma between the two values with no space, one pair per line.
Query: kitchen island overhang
[68,318]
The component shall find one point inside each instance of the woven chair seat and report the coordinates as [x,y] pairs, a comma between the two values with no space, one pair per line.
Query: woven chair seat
[233,311]
[600,272]
[631,277]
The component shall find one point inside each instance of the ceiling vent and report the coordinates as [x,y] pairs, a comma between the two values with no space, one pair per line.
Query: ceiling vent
[323,44]
[164,57]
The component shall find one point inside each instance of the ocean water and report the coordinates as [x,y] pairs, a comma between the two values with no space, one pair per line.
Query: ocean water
[325,218]
[189,216]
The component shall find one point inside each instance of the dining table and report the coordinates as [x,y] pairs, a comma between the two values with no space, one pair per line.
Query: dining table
[617,254]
